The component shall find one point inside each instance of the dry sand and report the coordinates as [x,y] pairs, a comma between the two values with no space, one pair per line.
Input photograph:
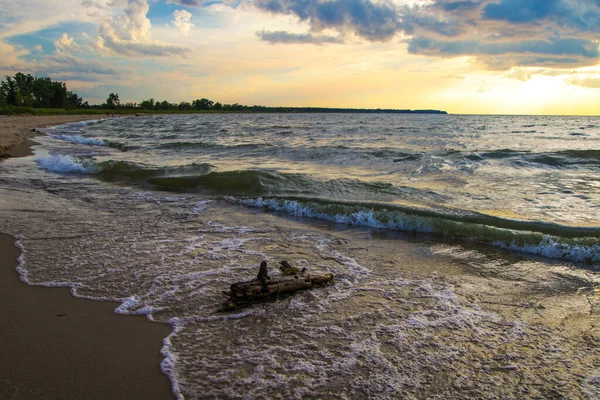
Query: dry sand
[16,129]
[55,346]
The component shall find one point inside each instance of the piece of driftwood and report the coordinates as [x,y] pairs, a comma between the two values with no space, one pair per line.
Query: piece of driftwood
[264,286]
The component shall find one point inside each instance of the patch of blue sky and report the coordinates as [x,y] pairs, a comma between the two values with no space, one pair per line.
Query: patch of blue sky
[161,13]
[47,36]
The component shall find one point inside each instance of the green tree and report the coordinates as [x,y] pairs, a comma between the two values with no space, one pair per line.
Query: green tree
[9,90]
[202,104]
[42,92]
[147,104]
[59,95]
[184,105]
[73,101]
[113,101]
[24,84]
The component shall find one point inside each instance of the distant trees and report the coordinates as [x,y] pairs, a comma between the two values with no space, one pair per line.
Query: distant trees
[25,90]
[147,104]
[28,91]
[196,105]
[113,101]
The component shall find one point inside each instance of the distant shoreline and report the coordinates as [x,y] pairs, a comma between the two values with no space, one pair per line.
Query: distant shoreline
[246,110]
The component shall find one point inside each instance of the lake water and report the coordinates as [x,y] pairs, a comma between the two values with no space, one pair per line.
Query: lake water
[465,248]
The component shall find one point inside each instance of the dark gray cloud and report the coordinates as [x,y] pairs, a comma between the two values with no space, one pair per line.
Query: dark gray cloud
[372,21]
[559,47]
[551,53]
[558,33]
[458,6]
[579,15]
[288,38]
[521,11]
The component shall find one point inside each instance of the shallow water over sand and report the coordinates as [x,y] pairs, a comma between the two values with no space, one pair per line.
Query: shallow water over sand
[411,315]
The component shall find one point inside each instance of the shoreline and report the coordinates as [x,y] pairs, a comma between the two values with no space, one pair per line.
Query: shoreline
[57,346]
[16,130]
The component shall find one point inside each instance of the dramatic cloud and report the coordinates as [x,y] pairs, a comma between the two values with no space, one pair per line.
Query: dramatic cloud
[499,33]
[583,15]
[182,21]
[129,34]
[374,21]
[306,38]
[559,51]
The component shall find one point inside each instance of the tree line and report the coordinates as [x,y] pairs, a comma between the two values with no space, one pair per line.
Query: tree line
[113,103]
[23,90]
[27,91]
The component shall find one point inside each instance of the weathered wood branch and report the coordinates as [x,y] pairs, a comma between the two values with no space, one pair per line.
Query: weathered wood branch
[263,286]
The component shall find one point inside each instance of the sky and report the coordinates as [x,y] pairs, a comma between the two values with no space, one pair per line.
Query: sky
[461,56]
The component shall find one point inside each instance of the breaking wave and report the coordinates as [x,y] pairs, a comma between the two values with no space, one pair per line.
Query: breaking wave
[580,244]
[553,159]
[80,139]
[68,164]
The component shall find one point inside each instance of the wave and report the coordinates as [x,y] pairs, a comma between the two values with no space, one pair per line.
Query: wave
[205,145]
[184,145]
[116,170]
[580,244]
[397,155]
[68,164]
[80,139]
[553,159]
[582,154]
[273,183]
[228,182]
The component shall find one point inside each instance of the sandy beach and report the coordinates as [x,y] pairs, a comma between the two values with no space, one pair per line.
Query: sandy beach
[16,129]
[55,346]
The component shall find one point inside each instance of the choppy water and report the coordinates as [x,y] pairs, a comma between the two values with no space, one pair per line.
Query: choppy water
[464,247]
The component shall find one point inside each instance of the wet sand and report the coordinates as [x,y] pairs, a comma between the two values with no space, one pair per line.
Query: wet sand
[17,129]
[55,346]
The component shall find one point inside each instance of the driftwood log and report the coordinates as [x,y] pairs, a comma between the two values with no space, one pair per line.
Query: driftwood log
[264,286]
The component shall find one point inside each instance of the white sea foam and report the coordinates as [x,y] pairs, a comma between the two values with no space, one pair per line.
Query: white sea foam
[360,218]
[200,206]
[153,197]
[80,139]
[550,247]
[67,164]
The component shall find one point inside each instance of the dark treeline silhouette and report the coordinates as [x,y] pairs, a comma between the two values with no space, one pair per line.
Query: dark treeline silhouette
[29,91]
[208,105]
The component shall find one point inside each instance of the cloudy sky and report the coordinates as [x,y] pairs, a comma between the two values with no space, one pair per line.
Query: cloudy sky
[463,56]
